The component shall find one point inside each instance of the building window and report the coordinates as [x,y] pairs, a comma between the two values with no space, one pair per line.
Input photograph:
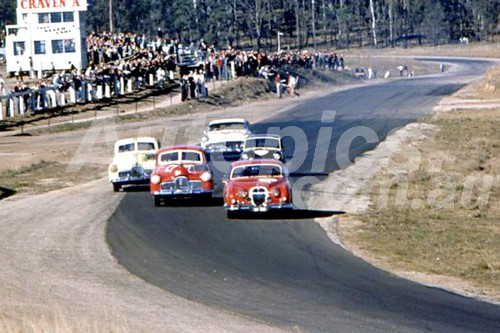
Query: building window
[69,46]
[19,48]
[68,17]
[57,46]
[43,18]
[63,46]
[55,17]
[40,47]
[12,31]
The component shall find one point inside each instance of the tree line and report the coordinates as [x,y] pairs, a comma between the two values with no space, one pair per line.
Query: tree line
[256,23]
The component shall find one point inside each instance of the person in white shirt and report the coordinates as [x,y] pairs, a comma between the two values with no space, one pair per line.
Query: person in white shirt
[160,76]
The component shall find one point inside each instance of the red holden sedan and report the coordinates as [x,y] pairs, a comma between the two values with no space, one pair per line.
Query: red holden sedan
[181,171]
[257,186]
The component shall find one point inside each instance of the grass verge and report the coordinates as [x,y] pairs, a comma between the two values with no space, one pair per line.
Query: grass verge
[46,176]
[435,205]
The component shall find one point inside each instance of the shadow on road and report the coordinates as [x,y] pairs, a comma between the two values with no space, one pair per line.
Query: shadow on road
[284,214]
[192,202]
[136,188]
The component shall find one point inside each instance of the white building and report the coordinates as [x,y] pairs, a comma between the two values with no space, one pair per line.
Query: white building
[49,34]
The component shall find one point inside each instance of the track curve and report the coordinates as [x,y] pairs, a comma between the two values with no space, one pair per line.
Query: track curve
[286,271]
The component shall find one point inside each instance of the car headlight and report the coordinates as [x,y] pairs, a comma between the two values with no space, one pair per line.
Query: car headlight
[155,179]
[277,156]
[206,176]
[275,192]
[245,156]
[113,168]
[242,194]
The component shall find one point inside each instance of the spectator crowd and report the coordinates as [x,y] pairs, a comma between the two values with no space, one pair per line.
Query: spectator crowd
[122,62]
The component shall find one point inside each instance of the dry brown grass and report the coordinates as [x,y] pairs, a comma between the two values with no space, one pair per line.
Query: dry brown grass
[428,224]
[480,50]
[488,88]
[47,176]
[383,64]
[63,321]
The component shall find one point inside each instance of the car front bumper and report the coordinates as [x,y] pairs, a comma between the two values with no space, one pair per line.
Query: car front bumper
[262,208]
[131,181]
[181,193]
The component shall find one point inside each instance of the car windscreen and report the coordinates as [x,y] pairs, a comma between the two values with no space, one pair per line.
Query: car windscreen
[169,157]
[256,170]
[126,148]
[227,126]
[185,156]
[191,156]
[262,143]
[146,146]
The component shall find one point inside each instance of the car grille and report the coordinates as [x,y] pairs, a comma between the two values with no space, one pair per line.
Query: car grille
[136,172]
[182,185]
[258,195]
[226,146]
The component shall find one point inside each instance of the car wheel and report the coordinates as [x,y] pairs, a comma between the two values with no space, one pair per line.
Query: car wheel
[116,187]
[157,200]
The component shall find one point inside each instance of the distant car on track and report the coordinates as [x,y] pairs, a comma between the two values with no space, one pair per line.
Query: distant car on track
[181,171]
[226,136]
[257,186]
[133,161]
[261,146]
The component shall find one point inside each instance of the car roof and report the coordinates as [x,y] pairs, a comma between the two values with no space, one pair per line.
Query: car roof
[263,136]
[132,140]
[229,120]
[256,162]
[185,147]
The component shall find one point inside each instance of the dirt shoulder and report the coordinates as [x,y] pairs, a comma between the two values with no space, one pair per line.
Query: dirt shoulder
[59,275]
[429,207]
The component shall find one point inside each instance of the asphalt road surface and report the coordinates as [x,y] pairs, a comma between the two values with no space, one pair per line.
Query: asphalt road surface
[283,269]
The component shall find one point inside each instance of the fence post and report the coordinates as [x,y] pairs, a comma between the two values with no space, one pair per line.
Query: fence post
[21,105]
[62,99]
[129,85]
[151,79]
[11,107]
[122,86]
[99,92]
[107,90]
[52,98]
[72,95]
[1,110]
[89,92]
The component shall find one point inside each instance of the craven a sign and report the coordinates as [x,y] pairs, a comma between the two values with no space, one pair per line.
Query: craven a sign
[43,6]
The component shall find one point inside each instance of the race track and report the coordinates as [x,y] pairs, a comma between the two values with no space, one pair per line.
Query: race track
[286,271]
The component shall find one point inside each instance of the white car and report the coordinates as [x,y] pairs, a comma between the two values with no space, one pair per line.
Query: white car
[133,161]
[226,135]
[263,146]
